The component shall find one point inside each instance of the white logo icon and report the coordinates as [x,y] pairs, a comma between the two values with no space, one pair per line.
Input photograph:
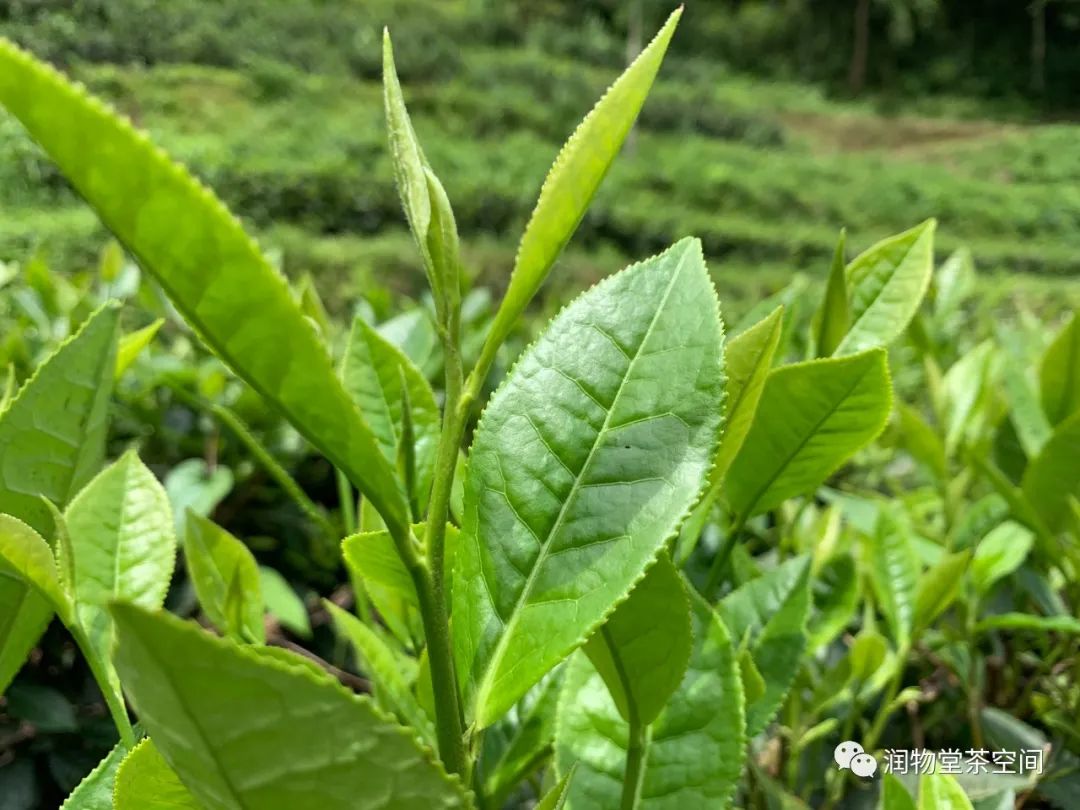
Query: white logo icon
[850,754]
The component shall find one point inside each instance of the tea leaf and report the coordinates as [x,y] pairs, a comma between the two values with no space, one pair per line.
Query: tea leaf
[242,729]
[771,611]
[922,441]
[26,559]
[938,588]
[52,441]
[894,796]
[226,579]
[894,572]
[528,747]
[123,546]
[384,668]
[1026,414]
[939,791]
[963,385]
[372,556]
[1027,621]
[697,743]
[282,602]
[833,318]
[210,268]
[836,597]
[557,796]
[582,467]
[643,648]
[887,284]
[379,376]
[1059,374]
[1000,553]
[1053,476]
[95,791]
[574,178]
[131,346]
[145,781]
[812,417]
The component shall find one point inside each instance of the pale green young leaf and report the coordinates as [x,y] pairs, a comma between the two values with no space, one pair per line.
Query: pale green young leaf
[1053,476]
[529,746]
[26,559]
[812,417]
[887,284]
[144,781]
[894,572]
[1059,374]
[954,282]
[963,386]
[574,178]
[230,721]
[311,304]
[10,386]
[940,791]
[1000,553]
[584,464]
[836,597]
[210,268]
[283,603]
[226,579]
[555,799]
[833,318]
[132,345]
[372,556]
[379,377]
[894,796]
[1029,622]
[95,791]
[642,650]
[922,441]
[1025,411]
[123,547]
[771,612]
[747,362]
[938,588]
[868,652]
[52,441]
[698,744]
[385,668]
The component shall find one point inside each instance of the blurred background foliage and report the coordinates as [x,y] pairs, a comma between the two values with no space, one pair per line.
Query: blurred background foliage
[773,124]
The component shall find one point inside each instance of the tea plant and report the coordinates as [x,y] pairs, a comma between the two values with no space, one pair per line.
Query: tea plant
[570,609]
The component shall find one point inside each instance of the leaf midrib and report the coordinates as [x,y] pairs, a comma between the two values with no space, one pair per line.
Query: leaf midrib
[500,648]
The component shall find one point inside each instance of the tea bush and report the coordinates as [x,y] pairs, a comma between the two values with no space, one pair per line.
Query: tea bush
[664,562]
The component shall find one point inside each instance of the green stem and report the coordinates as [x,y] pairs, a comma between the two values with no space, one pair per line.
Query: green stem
[636,755]
[348,502]
[115,703]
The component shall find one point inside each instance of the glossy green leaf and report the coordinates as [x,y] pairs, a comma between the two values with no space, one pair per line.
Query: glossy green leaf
[145,781]
[1030,622]
[812,417]
[210,268]
[887,284]
[771,611]
[697,744]
[747,361]
[584,464]
[894,796]
[95,791]
[378,376]
[1059,374]
[940,791]
[132,345]
[1000,553]
[1053,476]
[226,579]
[555,799]
[123,547]
[574,178]
[894,572]
[938,588]
[243,729]
[384,668]
[642,650]
[833,318]
[52,441]
[529,746]
[283,603]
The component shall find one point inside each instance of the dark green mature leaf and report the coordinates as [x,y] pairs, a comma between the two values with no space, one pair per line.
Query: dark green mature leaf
[938,588]
[1059,375]
[145,781]
[1053,476]
[386,669]
[894,572]
[52,441]
[833,318]
[771,610]
[642,650]
[887,284]
[812,417]
[583,465]
[574,178]
[211,269]
[244,730]
[123,547]
[697,744]
[378,375]
[95,792]
[226,579]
